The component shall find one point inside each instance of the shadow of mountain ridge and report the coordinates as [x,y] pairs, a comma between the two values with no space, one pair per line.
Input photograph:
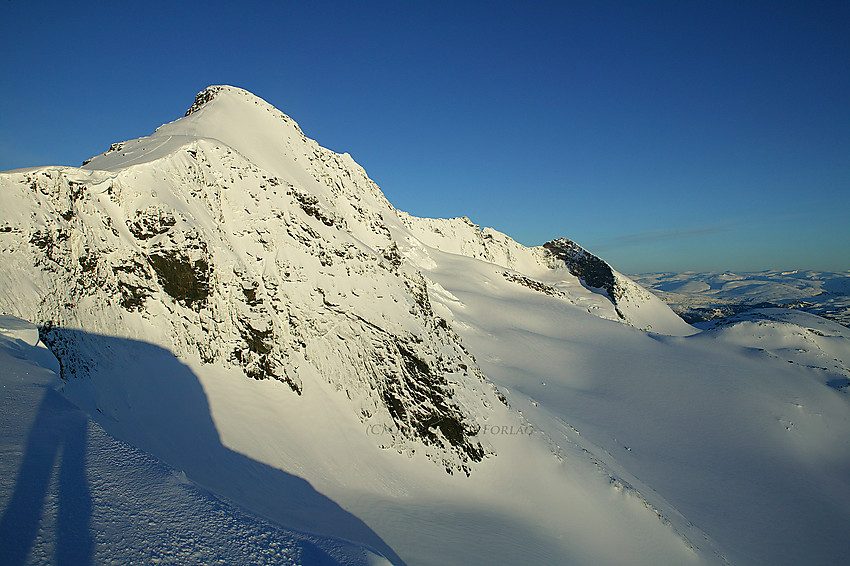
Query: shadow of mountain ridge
[144,395]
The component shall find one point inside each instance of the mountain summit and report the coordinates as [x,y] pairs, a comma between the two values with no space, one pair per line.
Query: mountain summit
[246,305]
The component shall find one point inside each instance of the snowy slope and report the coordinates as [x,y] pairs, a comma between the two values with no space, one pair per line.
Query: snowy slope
[110,503]
[246,306]
[753,450]
[793,336]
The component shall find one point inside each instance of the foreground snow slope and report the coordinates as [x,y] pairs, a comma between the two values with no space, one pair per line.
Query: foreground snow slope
[110,503]
[246,306]
[753,450]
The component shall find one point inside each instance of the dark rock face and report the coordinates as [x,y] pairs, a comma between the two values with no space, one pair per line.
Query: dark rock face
[151,222]
[183,279]
[310,205]
[593,271]
[419,400]
[133,282]
[202,98]
[532,284]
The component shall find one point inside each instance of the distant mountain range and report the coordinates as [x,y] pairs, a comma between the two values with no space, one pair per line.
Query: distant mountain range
[702,296]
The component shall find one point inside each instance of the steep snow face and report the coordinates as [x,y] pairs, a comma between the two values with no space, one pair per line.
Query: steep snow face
[203,252]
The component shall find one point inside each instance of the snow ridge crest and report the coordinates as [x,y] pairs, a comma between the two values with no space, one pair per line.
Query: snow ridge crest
[212,91]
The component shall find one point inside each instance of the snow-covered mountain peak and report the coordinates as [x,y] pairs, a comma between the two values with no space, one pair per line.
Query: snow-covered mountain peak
[221,108]
[229,115]
[230,120]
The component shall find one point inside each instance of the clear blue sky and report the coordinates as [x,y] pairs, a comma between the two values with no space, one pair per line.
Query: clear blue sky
[660,135]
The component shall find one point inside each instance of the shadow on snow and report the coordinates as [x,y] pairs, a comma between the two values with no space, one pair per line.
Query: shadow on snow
[142,394]
[58,433]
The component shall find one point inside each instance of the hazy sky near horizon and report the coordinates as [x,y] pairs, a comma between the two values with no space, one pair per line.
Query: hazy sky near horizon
[664,136]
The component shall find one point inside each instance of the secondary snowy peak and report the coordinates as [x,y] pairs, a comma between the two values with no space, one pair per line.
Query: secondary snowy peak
[632,303]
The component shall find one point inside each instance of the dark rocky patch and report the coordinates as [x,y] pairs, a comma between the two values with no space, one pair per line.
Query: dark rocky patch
[593,271]
[532,284]
[184,280]
[42,239]
[51,247]
[250,295]
[256,339]
[310,205]
[133,277]
[418,400]
[263,366]
[87,261]
[393,256]
[151,222]
[418,289]
[72,362]
[202,98]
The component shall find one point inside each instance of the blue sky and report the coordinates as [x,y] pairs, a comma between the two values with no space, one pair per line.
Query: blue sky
[661,135]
